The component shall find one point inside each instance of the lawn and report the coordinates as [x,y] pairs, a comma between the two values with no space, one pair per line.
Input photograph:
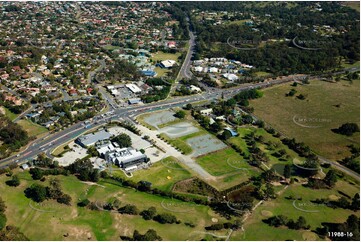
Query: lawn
[74,223]
[162,174]
[346,64]
[161,56]
[161,71]
[289,115]
[283,206]
[262,74]
[59,150]
[353,4]
[31,128]
[10,114]
[274,162]
[111,47]
[222,162]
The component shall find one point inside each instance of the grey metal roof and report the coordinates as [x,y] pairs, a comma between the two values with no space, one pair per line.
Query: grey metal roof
[91,139]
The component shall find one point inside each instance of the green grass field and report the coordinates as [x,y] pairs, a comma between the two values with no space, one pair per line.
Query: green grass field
[161,71]
[339,104]
[162,174]
[273,161]
[84,224]
[31,128]
[217,163]
[161,56]
[262,73]
[59,150]
[9,114]
[283,206]
[228,166]
[345,64]
[111,47]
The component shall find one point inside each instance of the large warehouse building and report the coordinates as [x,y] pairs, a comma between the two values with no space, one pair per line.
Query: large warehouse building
[90,139]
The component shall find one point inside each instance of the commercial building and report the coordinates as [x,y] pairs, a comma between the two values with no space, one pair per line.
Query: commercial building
[126,158]
[91,139]
[133,88]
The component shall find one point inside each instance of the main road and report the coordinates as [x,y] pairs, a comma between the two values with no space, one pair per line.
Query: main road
[70,133]
[184,71]
[53,140]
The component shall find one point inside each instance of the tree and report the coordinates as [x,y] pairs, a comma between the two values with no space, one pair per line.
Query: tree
[301,222]
[269,192]
[94,175]
[14,182]
[343,203]
[287,171]
[149,213]
[36,192]
[123,140]
[92,151]
[188,106]
[150,235]
[180,114]
[165,218]
[129,209]
[347,129]
[330,178]
[65,199]
[2,206]
[2,221]
[215,227]
[355,204]
[83,203]
[36,173]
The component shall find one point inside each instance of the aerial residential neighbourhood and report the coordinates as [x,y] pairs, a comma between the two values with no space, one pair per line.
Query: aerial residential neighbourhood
[177,121]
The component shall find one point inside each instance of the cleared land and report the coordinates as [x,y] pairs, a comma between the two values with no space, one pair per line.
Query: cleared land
[157,118]
[274,146]
[223,162]
[9,114]
[289,115]
[205,144]
[179,129]
[228,166]
[162,174]
[283,206]
[31,128]
[161,56]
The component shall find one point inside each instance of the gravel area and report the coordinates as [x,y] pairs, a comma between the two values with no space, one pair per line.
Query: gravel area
[205,144]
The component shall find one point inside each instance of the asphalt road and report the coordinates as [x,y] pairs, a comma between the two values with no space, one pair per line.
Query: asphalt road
[53,140]
[184,71]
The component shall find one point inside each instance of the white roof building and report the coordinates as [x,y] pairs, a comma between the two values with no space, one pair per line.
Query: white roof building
[194,88]
[198,69]
[213,70]
[133,88]
[168,63]
[207,111]
[230,77]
